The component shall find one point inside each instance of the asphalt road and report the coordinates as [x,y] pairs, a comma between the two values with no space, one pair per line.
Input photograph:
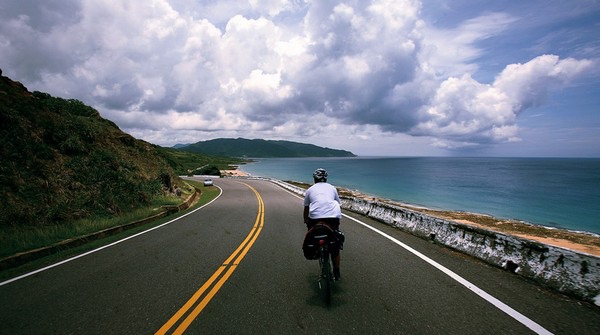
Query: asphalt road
[235,266]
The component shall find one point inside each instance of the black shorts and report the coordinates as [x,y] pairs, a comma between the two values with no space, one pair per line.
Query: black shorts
[333,223]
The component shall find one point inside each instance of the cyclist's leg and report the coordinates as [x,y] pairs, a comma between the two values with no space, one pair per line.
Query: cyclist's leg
[311,223]
[335,258]
[335,255]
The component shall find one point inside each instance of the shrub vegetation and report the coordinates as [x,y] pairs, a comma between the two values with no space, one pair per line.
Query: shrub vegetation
[62,162]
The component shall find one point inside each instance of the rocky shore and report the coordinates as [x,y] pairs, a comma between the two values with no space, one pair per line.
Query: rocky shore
[578,241]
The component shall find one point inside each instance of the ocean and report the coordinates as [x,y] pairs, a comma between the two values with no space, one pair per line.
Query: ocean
[553,192]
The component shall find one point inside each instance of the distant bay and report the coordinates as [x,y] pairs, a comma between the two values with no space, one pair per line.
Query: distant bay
[554,192]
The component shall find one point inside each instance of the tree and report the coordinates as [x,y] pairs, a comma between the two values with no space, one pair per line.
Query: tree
[211,170]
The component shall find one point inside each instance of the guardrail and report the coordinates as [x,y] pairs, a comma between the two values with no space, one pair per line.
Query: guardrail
[30,255]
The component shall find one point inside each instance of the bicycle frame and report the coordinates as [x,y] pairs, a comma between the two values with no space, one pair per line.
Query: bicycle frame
[326,275]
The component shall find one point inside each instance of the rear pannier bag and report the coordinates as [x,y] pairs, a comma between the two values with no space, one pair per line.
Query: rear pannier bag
[318,232]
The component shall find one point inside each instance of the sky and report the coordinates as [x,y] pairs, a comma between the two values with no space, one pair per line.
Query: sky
[378,78]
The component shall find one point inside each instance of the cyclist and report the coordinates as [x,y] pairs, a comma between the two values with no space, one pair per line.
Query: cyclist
[322,204]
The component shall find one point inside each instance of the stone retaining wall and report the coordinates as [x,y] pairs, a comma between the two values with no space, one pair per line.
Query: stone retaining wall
[567,271]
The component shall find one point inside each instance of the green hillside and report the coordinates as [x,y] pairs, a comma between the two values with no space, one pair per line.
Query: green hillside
[187,162]
[61,162]
[241,147]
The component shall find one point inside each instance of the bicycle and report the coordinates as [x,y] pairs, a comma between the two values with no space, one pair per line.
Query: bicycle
[318,244]
[326,276]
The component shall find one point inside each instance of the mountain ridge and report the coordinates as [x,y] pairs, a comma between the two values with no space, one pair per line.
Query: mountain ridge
[260,148]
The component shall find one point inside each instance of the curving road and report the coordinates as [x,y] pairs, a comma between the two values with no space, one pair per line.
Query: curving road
[235,267]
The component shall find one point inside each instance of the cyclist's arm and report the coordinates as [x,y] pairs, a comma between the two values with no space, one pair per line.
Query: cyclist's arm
[305,214]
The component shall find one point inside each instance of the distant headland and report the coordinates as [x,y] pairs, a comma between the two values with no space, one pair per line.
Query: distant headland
[258,148]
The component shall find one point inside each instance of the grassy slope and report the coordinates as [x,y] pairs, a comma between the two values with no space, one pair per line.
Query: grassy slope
[185,162]
[61,161]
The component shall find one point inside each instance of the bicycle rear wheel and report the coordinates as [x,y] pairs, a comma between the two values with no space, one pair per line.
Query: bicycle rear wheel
[326,277]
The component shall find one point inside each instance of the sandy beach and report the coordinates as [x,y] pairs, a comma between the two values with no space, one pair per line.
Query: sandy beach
[233,173]
[578,241]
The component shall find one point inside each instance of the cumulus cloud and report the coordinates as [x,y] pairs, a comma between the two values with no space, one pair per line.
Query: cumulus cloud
[280,68]
[464,112]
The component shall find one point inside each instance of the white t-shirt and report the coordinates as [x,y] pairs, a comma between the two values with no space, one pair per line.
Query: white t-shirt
[323,201]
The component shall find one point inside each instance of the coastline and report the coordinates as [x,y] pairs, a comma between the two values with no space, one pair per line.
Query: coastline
[234,173]
[573,240]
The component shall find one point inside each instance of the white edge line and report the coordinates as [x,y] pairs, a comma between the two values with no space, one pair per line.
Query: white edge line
[108,245]
[486,296]
[494,301]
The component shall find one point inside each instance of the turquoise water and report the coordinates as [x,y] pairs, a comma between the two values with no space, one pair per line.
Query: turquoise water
[554,192]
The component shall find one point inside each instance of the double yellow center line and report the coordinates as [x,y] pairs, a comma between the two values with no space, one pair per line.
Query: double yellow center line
[222,274]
